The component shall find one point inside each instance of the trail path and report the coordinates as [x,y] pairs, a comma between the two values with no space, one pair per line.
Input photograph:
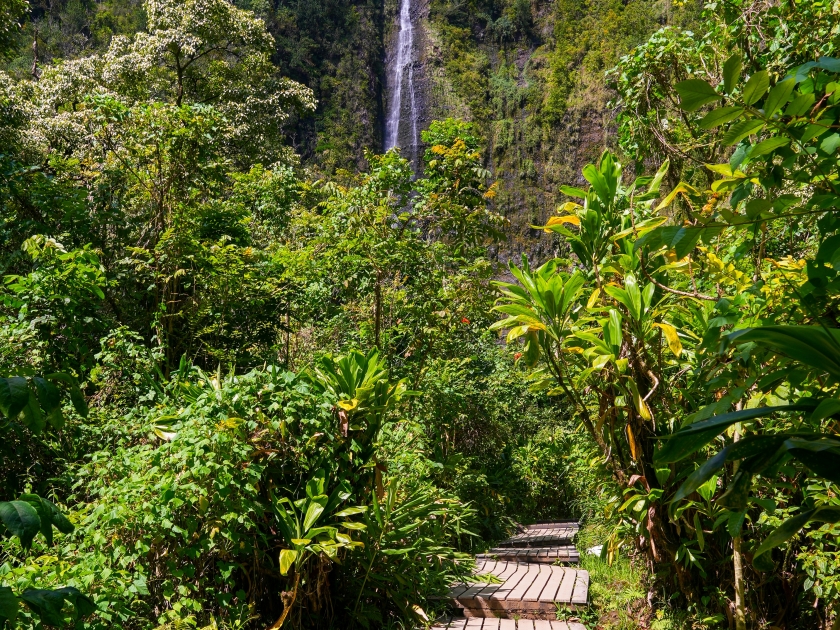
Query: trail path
[531,586]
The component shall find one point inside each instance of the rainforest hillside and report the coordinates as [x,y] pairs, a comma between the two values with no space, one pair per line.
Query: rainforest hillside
[531,75]
[314,313]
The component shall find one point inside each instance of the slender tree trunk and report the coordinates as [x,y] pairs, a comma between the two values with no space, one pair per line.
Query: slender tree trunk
[377,308]
[737,560]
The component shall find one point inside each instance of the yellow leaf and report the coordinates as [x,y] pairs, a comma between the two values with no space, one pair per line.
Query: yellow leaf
[593,299]
[569,218]
[420,612]
[287,558]
[348,405]
[301,541]
[673,339]
[683,188]
[631,439]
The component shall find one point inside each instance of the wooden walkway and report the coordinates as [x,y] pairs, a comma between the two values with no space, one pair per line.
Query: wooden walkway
[531,589]
[543,535]
[528,587]
[488,623]
[544,555]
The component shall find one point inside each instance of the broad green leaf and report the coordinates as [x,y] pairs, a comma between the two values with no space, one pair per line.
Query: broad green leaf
[695,436]
[741,130]
[779,96]
[812,345]
[287,559]
[828,407]
[720,116]
[756,87]
[769,145]
[42,507]
[32,414]
[359,509]
[801,105]
[352,525]
[694,93]
[21,519]
[791,527]
[76,396]
[8,606]
[313,513]
[47,604]
[731,72]
[14,395]
[82,603]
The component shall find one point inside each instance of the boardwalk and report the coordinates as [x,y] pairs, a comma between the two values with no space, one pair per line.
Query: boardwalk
[526,589]
[528,585]
[567,554]
[479,623]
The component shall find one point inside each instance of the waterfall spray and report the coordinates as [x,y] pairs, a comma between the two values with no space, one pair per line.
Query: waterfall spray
[402,76]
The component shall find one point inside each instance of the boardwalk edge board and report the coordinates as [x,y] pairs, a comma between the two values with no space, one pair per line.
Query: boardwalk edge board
[531,585]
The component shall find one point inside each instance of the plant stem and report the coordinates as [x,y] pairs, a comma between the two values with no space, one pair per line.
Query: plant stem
[737,559]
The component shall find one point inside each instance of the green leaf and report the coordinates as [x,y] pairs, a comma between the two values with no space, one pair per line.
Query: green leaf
[33,417]
[359,509]
[50,399]
[731,72]
[719,116]
[58,519]
[42,507]
[815,346]
[46,604]
[695,93]
[313,512]
[756,87]
[801,105]
[14,395]
[791,527]
[769,145]
[695,436]
[741,130]
[76,396]
[8,606]
[82,603]
[828,407]
[287,559]
[21,519]
[779,96]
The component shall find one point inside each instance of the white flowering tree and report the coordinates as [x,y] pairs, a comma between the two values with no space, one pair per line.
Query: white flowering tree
[204,52]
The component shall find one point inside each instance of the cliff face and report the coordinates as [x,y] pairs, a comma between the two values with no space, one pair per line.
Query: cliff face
[531,75]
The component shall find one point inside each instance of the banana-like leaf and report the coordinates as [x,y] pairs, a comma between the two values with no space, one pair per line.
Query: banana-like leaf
[791,527]
[814,346]
[287,559]
[695,436]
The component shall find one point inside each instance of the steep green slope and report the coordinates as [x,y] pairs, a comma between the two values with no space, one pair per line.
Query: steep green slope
[529,73]
[532,76]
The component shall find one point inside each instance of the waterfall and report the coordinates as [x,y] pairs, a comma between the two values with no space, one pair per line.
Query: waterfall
[402,76]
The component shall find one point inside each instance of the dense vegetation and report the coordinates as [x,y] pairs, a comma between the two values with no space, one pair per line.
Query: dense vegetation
[245,386]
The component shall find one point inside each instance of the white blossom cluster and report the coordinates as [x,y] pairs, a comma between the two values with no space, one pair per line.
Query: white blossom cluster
[195,52]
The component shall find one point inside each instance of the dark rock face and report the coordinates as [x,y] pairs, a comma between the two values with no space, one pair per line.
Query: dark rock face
[406,94]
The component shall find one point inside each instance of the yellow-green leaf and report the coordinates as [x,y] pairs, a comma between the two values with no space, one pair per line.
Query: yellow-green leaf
[287,559]
[569,218]
[671,336]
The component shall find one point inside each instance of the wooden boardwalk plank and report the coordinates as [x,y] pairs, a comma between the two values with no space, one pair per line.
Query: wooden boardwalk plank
[493,623]
[547,555]
[536,588]
[541,534]
[580,593]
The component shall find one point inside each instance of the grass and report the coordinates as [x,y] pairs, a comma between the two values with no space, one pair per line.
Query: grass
[618,594]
